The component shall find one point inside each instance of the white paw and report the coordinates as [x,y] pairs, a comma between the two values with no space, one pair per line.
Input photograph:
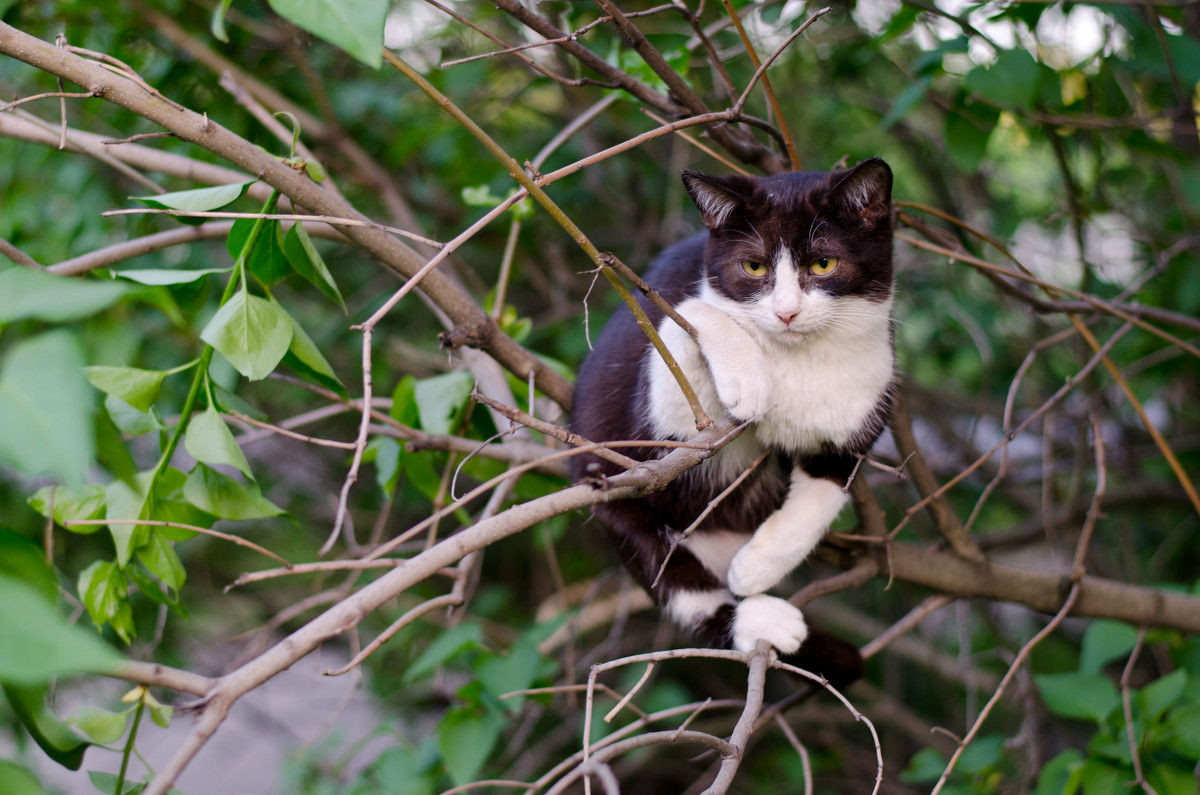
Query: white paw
[735,360]
[776,621]
[756,568]
[743,390]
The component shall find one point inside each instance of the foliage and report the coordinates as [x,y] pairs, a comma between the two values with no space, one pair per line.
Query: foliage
[246,387]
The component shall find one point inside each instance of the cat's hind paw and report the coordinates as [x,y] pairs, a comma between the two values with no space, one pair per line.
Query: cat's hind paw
[768,618]
[755,569]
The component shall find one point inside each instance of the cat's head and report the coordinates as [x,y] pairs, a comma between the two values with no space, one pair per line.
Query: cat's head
[802,253]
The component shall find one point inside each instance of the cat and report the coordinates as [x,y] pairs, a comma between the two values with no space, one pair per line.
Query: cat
[790,291]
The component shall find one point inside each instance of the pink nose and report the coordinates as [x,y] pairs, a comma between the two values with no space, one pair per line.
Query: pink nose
[786,317]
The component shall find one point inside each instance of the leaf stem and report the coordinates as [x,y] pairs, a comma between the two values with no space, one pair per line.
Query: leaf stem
[201,375]
[137,719]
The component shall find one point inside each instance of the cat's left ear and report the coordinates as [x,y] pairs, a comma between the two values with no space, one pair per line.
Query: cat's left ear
[866,191]
[717,198]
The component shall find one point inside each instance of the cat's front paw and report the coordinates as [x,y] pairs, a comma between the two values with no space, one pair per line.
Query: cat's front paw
[756,568]
[735,361]
[768,618]
[744,392]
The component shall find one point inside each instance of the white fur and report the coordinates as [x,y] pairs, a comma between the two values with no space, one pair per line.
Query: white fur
[776,621]
[715,549]
[827,368]
[786,538]
[689,608]
[714,203]
[796,376]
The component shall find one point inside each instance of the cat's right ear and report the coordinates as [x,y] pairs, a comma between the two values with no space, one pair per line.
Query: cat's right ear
[717,198]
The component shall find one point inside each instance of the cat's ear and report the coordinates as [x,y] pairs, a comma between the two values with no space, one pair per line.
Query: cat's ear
[717,198]
[865,191]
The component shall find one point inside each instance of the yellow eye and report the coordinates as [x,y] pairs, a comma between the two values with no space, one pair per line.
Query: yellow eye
[824,266]
[756,269]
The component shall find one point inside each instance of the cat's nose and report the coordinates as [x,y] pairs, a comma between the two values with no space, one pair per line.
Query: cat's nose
[787,316]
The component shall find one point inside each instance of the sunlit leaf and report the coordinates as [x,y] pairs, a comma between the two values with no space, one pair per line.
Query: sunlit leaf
[221,495]
[139,388]
[99,724]
[252,333]
[198,200]
[28,294]
[354,25]
[209,440]
[38,641]
[46,406]
[160,277]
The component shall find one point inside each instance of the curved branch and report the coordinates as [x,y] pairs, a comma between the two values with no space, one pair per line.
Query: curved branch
[471,322]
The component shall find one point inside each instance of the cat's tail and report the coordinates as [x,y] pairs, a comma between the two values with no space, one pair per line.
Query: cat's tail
[730,624]
[827,655]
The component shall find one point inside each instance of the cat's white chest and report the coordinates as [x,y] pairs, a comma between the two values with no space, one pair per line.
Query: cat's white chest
[801,394]
[822,393]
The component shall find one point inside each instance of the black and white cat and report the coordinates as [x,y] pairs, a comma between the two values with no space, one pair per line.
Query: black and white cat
[790,290]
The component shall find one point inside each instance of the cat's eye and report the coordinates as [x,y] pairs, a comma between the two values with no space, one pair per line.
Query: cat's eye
[824,266]
[756,269]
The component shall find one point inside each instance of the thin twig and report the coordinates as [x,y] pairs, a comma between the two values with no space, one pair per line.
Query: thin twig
[181,526]
[1012,670]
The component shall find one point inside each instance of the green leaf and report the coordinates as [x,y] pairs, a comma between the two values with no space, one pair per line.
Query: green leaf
[1060,776]
[401,771]
[46,406]
[967,134]
[1171,778]
[354,25]
[440,398]
[925,765]
[516,671]
[404,402]
[125,502]
[217,24]
[198,200]
[38,642]
[222,496]
[252,333]
[1078,695]
[209,441]
[105,594]
[159,557]
[1183,731]
[107,783]
[1011,81]
[24,560]
[306,261]
[111,452]
[138,388]
[387,454]
[129,420]
[1103,642]
[1161,694]
[37,295]
[60,742]
[266,260]
[465,740]
[161,714]
[16,780]
[71,502]
[447,645]
[305,357]
[100,724]
[157,277]
[1101,778]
